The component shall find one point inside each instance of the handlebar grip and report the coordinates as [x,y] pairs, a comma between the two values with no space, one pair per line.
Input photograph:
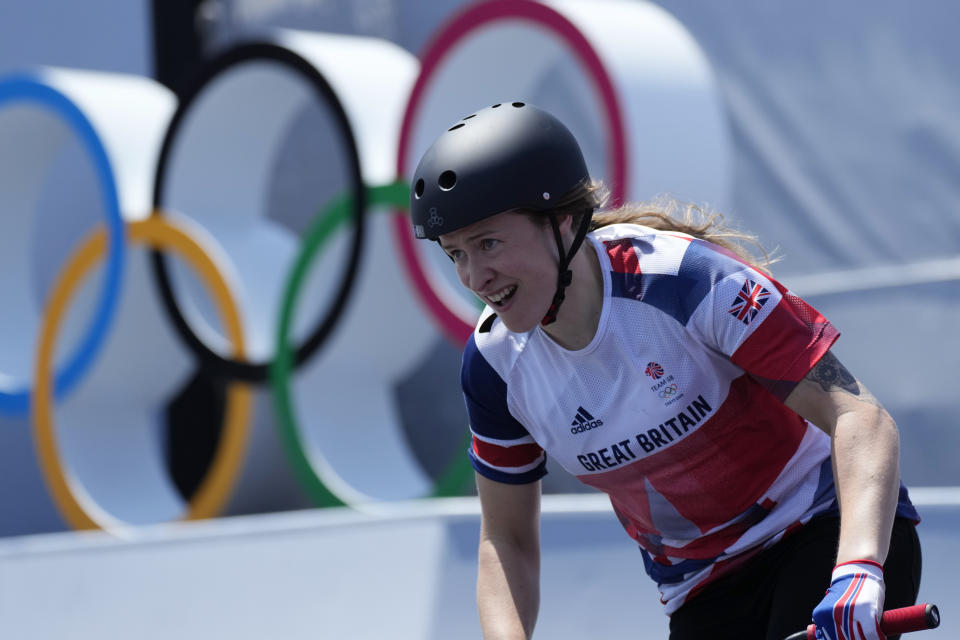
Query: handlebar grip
[915,618]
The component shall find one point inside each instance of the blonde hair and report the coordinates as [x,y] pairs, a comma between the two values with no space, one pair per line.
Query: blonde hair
[669,214]
[663,213]
[666,213]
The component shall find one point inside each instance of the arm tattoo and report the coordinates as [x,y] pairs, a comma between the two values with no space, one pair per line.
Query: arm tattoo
[831,375]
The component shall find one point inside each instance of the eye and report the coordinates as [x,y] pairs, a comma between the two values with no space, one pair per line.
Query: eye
[454,254]
[488,243]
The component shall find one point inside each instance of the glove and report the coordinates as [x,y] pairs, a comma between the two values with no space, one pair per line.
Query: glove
[853,605]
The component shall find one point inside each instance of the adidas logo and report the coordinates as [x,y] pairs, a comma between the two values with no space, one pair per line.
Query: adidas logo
[583,421]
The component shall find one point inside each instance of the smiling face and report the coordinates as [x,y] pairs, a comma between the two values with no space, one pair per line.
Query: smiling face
[510,262]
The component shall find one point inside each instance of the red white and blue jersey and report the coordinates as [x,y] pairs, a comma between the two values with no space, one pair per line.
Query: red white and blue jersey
[674,409]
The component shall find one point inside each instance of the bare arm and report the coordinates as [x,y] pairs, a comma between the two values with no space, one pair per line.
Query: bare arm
[508,577]
[866,452]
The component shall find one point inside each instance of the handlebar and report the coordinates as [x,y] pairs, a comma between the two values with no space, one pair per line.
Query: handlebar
[915,618]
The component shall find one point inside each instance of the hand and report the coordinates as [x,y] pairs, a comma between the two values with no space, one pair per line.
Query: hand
[853,605]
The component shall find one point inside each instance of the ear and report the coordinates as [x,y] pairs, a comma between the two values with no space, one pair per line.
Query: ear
[565,222]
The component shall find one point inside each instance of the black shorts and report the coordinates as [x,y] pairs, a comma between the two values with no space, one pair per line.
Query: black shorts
[773,594]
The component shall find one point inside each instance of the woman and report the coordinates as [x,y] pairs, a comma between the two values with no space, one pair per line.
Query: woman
[653,361]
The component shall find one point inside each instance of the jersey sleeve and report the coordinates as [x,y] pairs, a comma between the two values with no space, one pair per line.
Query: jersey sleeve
[501,448]
[763,328]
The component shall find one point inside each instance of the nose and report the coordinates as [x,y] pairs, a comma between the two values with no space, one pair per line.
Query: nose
[475,273]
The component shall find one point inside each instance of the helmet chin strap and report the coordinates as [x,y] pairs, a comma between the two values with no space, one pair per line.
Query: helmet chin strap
[565,275]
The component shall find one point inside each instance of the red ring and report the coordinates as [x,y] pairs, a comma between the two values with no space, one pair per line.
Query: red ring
[455,327]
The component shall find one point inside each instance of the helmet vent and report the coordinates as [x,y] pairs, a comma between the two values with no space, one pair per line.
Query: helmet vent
[456,126]
[418,189]
[495,106]
[472,115]
[447,180]
[518,104]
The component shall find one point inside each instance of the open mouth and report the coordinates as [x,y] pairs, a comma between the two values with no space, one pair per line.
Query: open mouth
[500,298]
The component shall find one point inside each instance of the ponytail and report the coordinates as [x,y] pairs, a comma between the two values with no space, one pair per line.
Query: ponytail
[669,214]
[663,214]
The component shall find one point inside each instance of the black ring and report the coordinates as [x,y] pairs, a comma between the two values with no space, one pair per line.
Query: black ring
[210,360]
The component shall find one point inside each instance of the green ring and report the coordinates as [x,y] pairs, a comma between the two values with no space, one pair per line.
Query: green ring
[451,482]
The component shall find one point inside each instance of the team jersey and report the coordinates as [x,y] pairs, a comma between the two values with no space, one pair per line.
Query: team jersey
[674,409]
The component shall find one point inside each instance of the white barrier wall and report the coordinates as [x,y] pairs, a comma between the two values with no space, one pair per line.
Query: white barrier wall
[341,574]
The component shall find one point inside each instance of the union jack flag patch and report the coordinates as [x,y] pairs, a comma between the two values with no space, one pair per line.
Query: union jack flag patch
[654,370]
[750,299]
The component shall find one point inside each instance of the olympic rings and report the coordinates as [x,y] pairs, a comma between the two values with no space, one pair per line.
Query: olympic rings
[669,390]
[234,368]
[27,88]
[458,326]
[77,506]
[315,473]
[308,73]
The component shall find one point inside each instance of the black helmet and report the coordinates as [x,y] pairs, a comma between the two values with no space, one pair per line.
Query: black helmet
[508,156]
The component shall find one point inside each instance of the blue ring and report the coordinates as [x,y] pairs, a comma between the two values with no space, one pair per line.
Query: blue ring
[29,88]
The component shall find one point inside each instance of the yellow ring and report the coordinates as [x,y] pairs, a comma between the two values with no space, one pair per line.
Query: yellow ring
[78,508]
